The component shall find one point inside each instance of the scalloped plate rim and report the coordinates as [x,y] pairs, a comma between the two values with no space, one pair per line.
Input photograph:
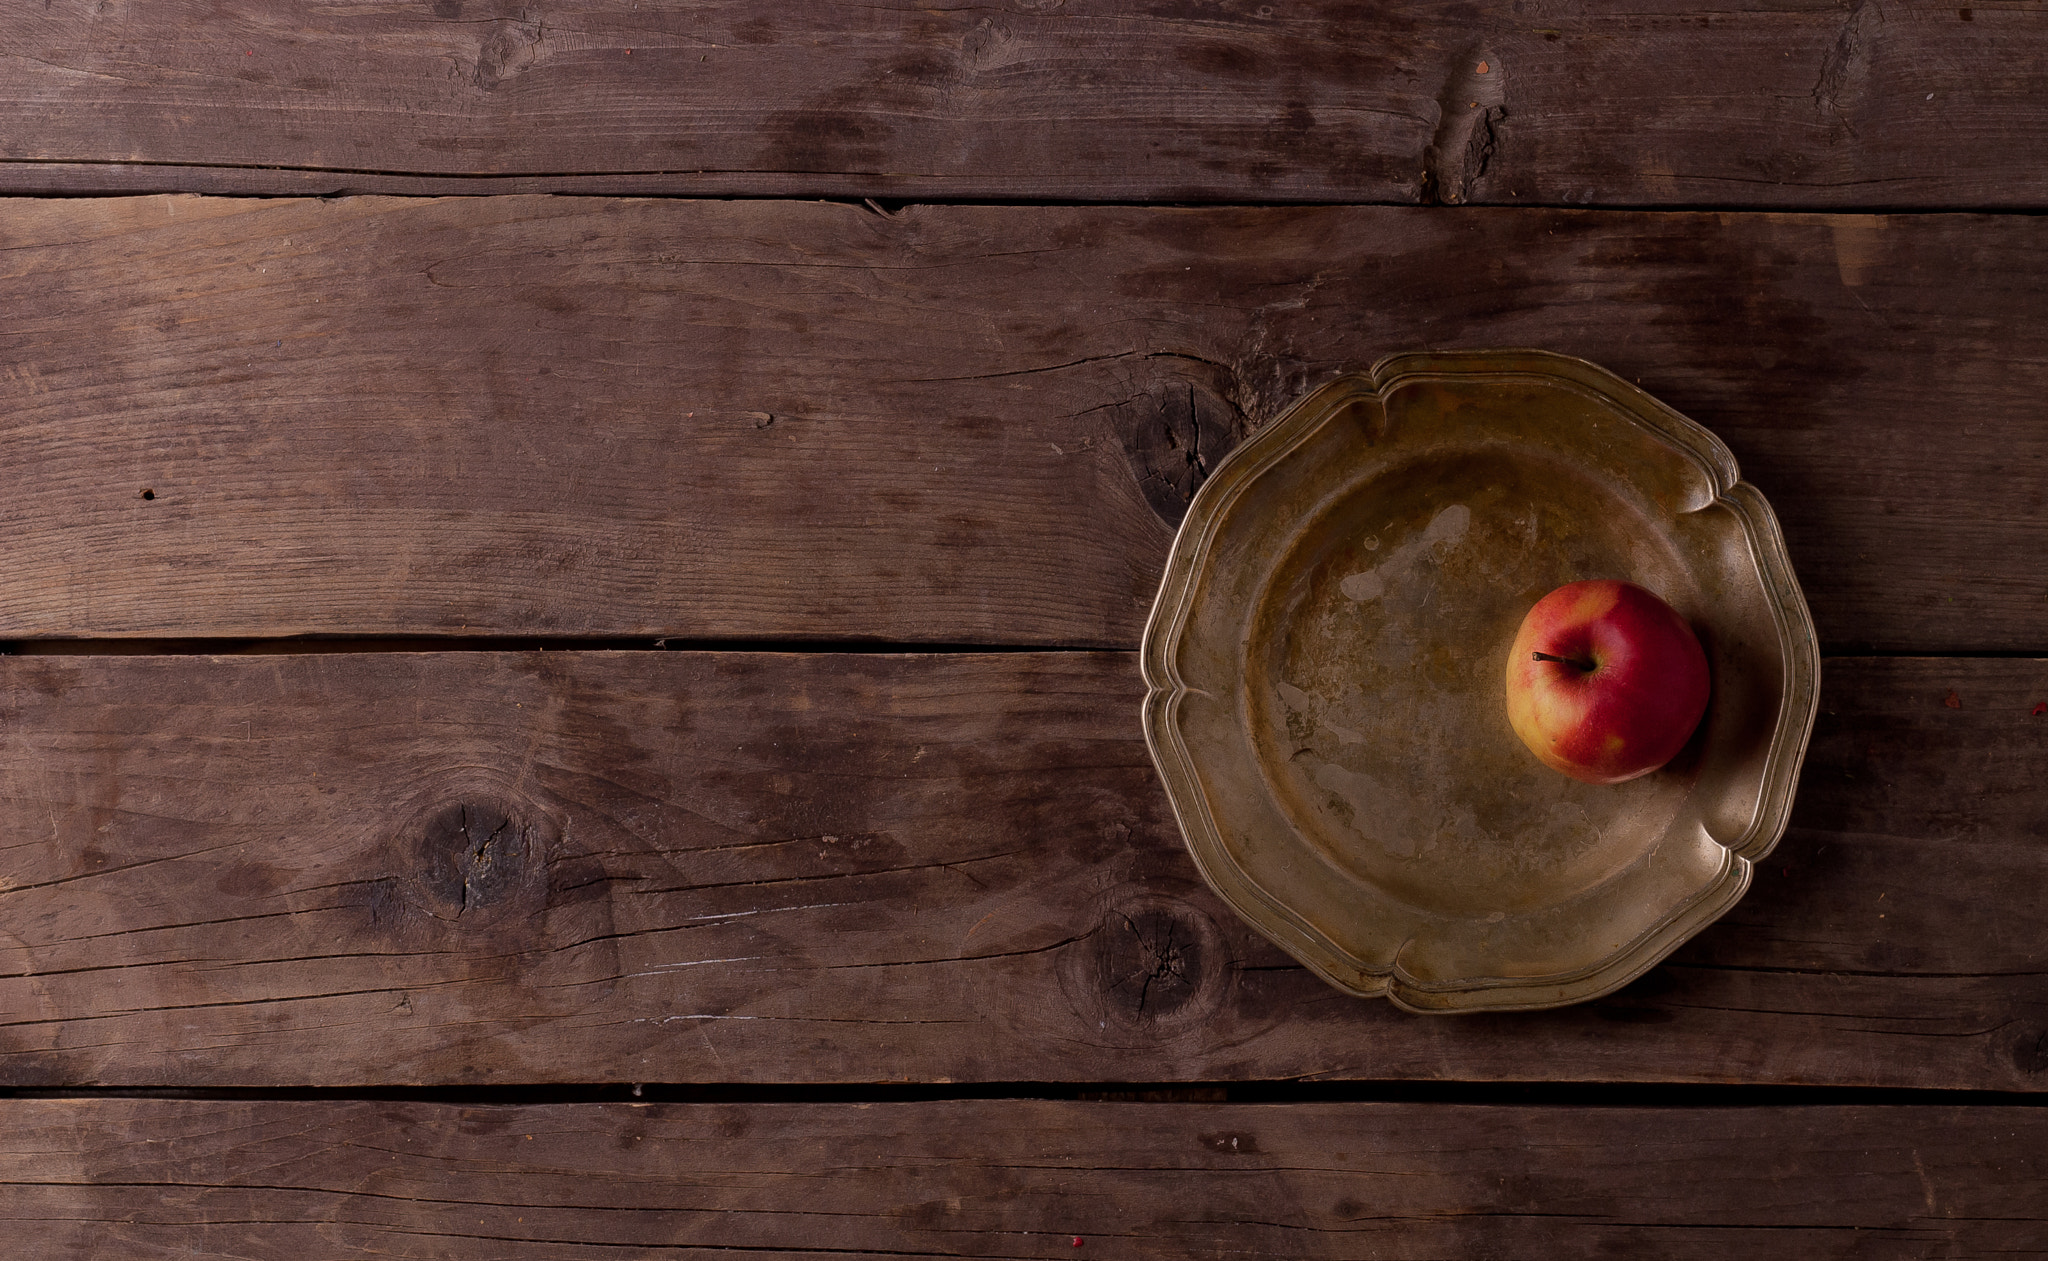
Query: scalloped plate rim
[1798,708]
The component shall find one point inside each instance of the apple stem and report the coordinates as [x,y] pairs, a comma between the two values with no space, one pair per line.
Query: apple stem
[1567,661]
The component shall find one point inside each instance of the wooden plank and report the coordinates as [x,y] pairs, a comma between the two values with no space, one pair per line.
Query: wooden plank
[1016,1179]
[403,869]
[577,417]
[1810,105]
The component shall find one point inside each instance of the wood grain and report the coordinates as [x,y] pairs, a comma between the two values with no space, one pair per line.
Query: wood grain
[1016,1179]
[502,868]
[1811,105]
[578,417]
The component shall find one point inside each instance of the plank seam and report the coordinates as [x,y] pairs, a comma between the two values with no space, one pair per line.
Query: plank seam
[1563,1095]
[889,208]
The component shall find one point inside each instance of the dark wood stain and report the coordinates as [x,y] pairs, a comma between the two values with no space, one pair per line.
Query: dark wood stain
[1227,60]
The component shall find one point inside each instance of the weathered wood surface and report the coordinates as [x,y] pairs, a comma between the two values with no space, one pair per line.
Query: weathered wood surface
[367,869]
[559,416]
[149,1179]
[1820,104]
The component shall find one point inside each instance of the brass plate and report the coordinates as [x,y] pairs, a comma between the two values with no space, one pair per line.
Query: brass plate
[1327,705]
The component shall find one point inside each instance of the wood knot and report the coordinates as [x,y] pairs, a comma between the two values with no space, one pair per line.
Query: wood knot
[990,46]
[1155,966]
[491,884]
[474,859]
[1151,962]
[1177,429]
[510,49]
[1470,111]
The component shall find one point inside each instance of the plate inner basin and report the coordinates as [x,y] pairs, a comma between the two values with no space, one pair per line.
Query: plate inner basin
[1376,693]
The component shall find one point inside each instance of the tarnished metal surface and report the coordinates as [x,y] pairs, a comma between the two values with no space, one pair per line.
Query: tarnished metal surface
[1327,703]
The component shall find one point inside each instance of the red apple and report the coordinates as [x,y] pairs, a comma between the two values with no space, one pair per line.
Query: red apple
[1606,681]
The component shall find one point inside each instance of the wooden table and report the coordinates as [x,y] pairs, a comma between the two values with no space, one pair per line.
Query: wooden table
[572,572]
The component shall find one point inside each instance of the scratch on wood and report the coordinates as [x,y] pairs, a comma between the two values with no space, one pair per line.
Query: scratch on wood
[1842,70]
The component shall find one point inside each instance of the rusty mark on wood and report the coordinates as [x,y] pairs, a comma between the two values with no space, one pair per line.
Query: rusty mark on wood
[1471,109]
